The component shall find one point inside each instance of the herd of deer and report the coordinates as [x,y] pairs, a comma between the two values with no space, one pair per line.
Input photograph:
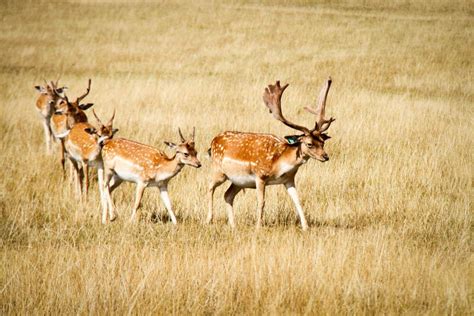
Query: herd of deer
[247,160]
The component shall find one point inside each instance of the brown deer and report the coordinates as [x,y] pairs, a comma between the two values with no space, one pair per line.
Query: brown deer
[68,114]
[83,145]
[251,160]
[50,96]
[126,160]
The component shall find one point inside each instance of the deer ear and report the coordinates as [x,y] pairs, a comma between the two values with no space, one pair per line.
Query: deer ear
[85,106]
[40,89]
[114,130]
[325,136]
[90,130]
[170,145]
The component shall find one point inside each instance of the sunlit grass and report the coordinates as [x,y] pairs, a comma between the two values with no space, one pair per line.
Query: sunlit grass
[390,214]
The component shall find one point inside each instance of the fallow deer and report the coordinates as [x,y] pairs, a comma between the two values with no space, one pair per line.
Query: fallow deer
[46,106]
[66,115]
[126,160]
[251,160]
[83,145]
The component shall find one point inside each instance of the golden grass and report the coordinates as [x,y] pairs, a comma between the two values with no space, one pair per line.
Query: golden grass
[390,213]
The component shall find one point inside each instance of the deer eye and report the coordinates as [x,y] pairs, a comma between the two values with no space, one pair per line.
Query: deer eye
[185,154]
[309,145]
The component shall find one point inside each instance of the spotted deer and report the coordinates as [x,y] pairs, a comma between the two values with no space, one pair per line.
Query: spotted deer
[251,160]
[126,160]
[50,96]
[83,145]
[67,114]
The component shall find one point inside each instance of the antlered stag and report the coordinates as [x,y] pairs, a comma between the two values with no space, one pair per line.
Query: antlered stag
[67,114]
[251,160]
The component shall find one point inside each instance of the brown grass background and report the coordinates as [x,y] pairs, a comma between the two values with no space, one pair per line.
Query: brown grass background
[390,213]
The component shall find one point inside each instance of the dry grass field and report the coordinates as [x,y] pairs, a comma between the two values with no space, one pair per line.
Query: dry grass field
[390,214]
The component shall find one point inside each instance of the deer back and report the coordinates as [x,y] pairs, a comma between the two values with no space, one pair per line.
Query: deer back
[247,152]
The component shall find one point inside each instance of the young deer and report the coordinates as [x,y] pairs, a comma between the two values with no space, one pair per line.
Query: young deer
[83,145]
[126,160]
[46,104]
[68,114]
[250,160]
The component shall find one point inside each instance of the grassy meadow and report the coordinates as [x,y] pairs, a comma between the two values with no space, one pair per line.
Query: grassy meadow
[390,214]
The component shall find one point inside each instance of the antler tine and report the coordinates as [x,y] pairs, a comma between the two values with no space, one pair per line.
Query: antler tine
[181,135]
[58,95]
[326,125]
[97,118]
[85,94]
[57,80]
[320,110]
[272,99]
[109,123]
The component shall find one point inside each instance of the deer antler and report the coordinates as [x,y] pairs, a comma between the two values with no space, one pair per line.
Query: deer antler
[97,118]
[58,95]
[109,123]
[321,123]
[181,135]
[85,94]
[272,99]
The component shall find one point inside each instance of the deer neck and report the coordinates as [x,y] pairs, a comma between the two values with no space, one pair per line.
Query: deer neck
[173,165]
[293,156]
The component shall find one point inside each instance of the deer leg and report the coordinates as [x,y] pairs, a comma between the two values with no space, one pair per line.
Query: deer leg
[260,186]
[103,197]
[80,173]
[85,169]
[71,171]
[138,198]
[291,189]
[77,178]
[229,196]
[166,201]
[108,174]
[217,180]
[47,135]
[114,183]
[62,155]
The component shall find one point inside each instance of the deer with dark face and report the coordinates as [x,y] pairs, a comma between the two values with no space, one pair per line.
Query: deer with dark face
[126,160]
[251,160]
[67,114]
[49,98]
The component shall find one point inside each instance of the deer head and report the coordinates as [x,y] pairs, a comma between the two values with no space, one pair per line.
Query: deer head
[311,142]
[68,107]
[186,152]
[104,131]
[52,91]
